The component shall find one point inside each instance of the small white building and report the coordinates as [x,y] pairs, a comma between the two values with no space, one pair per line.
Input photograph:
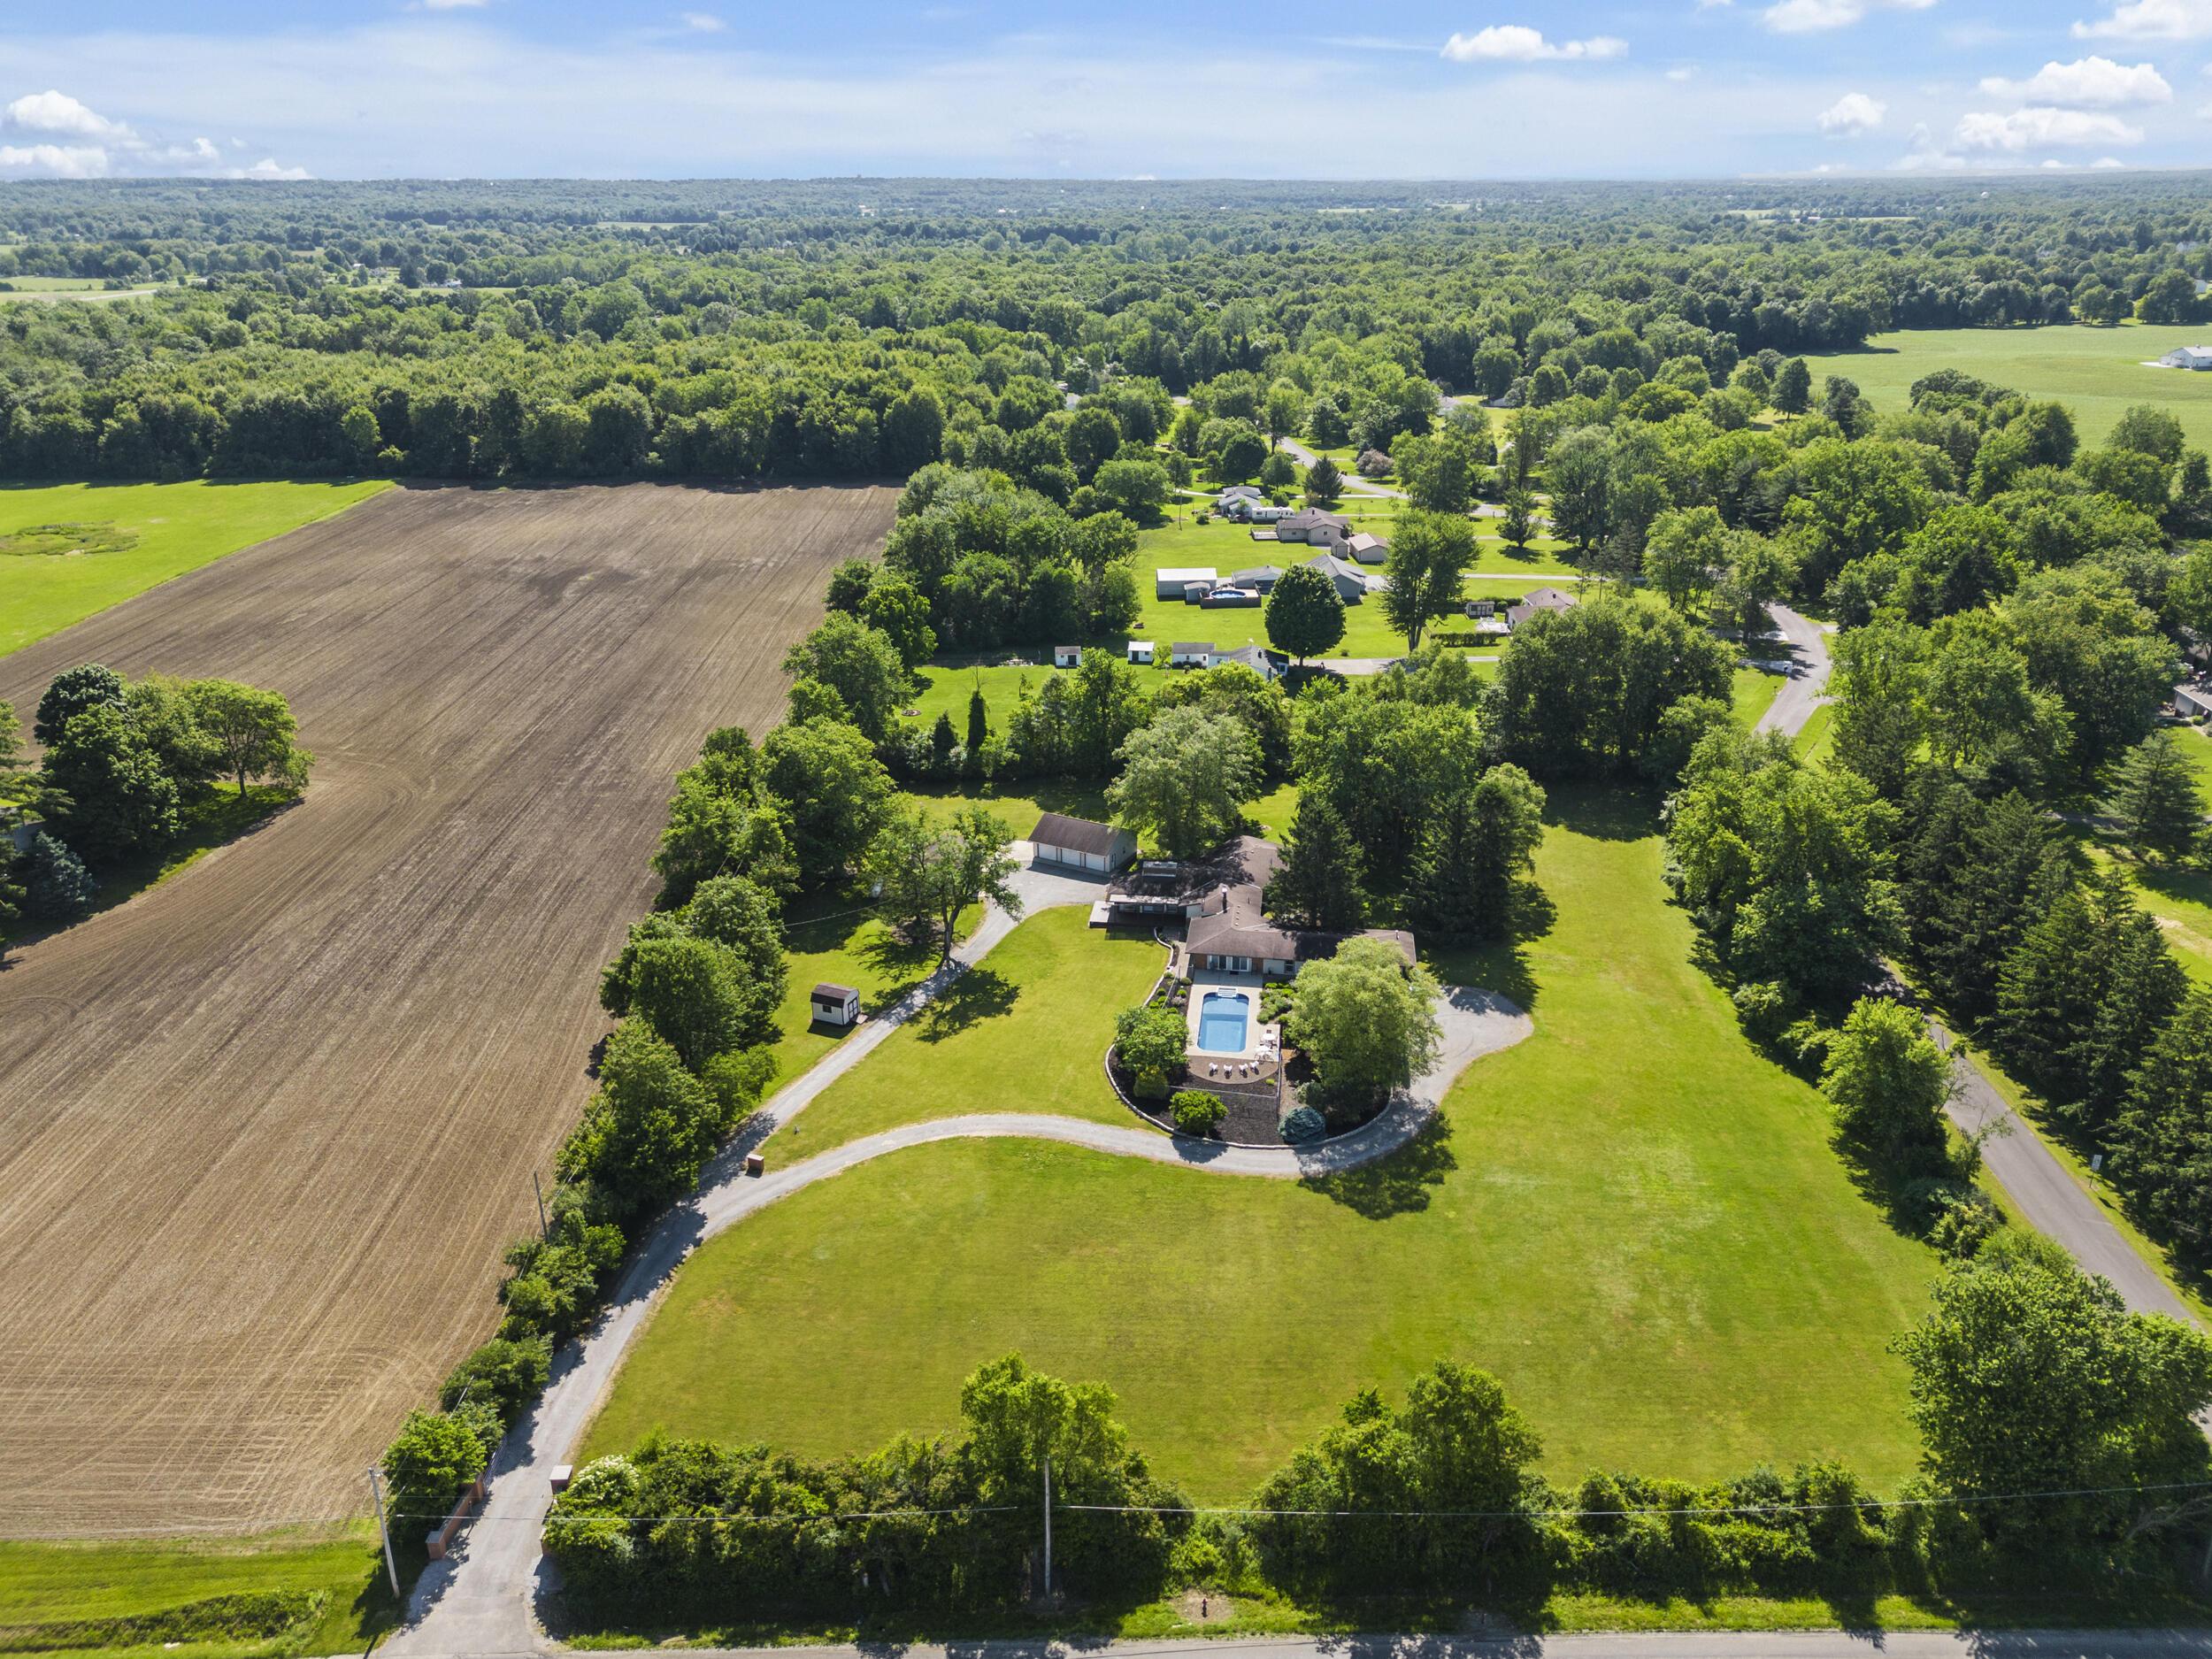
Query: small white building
[2193,702]
[1067,657]
[2188,357]
[1170,582]
[1191,653]
[834,1004]
[1141,653]
[1080,843]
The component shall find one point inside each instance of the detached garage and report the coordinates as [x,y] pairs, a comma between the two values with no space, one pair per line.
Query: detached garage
[1077,843]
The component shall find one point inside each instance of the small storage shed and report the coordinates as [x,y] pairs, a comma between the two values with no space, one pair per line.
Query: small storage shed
[1067,657]
[834,1004]
[1081,843]
[1140,652]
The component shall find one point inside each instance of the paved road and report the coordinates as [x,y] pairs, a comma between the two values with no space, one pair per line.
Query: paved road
[479,1600]
[2050,1198]
[2026,1644]
[1354,484]
[1806,689]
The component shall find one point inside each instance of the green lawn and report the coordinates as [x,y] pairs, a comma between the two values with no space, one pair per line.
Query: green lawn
[47,1583]
[833,937]
[1755,690]
[174,527]
[1633,1219]
[1025,1030]
[2096,372]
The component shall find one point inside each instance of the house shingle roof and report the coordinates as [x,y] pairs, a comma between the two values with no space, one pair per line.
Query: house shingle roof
[1076,835]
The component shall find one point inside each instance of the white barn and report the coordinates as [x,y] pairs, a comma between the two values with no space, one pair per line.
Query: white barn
[1079,843]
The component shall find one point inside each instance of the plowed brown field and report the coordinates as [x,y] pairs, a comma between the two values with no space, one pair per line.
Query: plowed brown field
[265,1128]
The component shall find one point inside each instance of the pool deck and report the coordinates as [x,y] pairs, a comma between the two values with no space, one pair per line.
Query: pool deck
[1259,1058]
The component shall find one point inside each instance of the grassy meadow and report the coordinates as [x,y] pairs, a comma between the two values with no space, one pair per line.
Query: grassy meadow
[1632,1218]
[170,528]
[2097,372]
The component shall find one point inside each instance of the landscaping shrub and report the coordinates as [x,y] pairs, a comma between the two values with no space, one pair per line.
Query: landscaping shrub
[1302,1125]
[1196,1112]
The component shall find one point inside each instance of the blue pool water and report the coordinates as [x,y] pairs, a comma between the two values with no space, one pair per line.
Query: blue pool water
[1222,1019]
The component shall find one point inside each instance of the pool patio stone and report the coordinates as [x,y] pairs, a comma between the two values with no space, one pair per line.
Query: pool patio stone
[1259,1058]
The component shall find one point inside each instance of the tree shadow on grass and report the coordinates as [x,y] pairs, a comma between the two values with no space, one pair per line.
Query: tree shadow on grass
[1612,812]
[978,994]
[1500,965]
[1398,1185]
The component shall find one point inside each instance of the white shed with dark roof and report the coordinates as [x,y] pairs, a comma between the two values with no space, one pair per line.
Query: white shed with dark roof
[1081,843]
[834,1004]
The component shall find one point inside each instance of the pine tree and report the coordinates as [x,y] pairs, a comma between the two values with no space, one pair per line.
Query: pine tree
[1969,878]
[2161,1141]
[979,728]
[2082,997]
[57,886]
[2154,800]
[1318,882]
[942,740]
[1481,841]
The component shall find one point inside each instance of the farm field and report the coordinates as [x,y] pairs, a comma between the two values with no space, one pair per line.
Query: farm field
[173,528]
[2097,372]
[272,1120]
[1633,1219]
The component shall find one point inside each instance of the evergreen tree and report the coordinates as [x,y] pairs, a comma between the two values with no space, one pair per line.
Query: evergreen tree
[979,728]
[1793,388]
[2154,800]
[942,741]
[2162,1139]
[1481,841]
[10,893]
[2082,997]
[1325,482]
[57,886]
[1318,882]
[1971,874]
[1519,522]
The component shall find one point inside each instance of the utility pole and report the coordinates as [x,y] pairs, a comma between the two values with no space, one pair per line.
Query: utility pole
[376,1489]
[1048,1526]
[543,1231]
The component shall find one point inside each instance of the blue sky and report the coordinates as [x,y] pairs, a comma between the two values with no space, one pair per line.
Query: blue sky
[537,88]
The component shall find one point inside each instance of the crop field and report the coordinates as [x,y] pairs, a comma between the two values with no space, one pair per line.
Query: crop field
[1632,1218]
[2097,372]
[270,1121]
[68,550]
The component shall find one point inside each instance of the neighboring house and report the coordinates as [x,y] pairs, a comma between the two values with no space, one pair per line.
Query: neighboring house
[1239,497]
[1368,550]
[1542,599]
[1140,652]
[1191,653]
[2188,357]
[1266,664]
[1080,843]
[1260,578]
[1067,657]
[1182,888]
[834,1004]
[1171,581]
[1310,524]
[2193,702]
[1353,584]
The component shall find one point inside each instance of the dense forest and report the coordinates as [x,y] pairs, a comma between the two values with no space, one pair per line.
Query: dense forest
[861,327]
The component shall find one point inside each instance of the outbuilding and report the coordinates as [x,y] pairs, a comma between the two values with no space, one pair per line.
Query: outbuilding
[1067,657]
[1081,843]
[834,1004]
[1141,653]
[1170,582]
[1190,653]
[2188,357]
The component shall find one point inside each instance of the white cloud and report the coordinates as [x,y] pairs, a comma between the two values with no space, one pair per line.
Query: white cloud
[1683,71]
[56,112]
[2151,20]
[1813,16]
[53,161]
[2096,83]
[1517,44]
[704,22]
[103,148]
[1852,115]
[2041,127]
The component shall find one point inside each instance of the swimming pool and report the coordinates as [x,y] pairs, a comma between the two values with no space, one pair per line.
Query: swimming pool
[1224,1016]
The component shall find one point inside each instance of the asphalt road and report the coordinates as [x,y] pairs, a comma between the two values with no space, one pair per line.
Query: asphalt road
[2026,1644]
[1808,685]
